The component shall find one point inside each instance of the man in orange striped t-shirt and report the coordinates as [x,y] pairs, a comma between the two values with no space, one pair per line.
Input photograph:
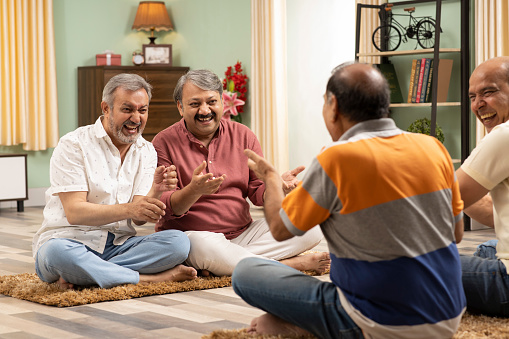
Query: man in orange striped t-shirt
[389,206]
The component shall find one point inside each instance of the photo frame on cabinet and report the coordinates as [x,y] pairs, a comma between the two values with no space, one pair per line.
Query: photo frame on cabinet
[157,55]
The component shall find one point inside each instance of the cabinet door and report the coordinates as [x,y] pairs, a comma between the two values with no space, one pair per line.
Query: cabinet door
[13,178]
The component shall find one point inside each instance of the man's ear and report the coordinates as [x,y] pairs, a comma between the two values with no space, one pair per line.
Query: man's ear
[334,107]
[179,106]
[105,108]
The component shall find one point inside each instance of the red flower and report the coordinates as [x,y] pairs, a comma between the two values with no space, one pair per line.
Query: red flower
[236,82]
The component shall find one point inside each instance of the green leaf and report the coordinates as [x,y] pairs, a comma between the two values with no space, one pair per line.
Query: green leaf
[423,126]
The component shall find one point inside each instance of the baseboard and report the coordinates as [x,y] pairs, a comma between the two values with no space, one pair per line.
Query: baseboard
[35,198]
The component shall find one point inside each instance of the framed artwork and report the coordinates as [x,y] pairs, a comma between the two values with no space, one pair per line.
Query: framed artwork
[157,54]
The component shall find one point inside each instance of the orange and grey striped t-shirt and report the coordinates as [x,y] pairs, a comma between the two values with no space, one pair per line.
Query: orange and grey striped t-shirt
[387,202]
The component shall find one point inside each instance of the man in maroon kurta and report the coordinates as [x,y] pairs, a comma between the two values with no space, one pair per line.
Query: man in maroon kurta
[209,203]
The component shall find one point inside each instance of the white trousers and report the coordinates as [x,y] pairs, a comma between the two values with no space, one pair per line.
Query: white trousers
[213,252]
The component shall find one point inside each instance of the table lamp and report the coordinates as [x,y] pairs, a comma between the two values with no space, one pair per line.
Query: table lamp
[152,15]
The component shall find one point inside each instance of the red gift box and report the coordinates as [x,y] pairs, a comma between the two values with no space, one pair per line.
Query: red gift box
[108,59]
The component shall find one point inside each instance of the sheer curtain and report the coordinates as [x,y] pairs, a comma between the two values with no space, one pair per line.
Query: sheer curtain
[28,90]
[491,36]
[268,80]
[369,22]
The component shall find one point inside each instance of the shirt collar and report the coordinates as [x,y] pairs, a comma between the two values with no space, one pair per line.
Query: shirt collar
[374,125]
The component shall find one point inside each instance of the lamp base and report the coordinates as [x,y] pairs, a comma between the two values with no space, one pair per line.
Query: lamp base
[152,40]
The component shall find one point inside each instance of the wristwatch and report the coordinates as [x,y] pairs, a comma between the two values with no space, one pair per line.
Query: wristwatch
[138,58]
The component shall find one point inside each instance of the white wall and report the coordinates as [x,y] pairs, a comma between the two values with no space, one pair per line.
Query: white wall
[320,36]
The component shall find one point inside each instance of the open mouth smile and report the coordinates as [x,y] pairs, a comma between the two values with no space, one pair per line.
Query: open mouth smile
[205,118]
[487,115]
[131,127]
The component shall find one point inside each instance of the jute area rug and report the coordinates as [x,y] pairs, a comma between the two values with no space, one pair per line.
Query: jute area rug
[471,327]
[28,286]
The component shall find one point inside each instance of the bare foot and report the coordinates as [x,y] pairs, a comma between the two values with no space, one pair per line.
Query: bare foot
[177,273]
[64,284]
[271,325]
[318,262]
[205,273]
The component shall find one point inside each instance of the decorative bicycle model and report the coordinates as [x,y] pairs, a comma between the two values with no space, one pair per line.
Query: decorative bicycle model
[388,36]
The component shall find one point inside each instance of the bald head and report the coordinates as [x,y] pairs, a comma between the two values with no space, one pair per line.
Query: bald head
[361,92]
[489,92]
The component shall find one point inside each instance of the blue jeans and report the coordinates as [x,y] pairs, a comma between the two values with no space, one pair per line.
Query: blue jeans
[118,264]
[293,296]
[485,281]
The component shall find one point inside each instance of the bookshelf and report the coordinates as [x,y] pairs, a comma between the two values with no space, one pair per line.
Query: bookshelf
[436,52]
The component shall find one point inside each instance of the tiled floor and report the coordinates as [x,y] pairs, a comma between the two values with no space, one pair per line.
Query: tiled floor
[181,315]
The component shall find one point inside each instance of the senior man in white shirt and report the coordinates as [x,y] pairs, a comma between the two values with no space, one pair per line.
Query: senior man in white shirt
[104,177]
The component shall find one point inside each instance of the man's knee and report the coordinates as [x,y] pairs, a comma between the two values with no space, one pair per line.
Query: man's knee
[203,243]
[56,250]
[174,240]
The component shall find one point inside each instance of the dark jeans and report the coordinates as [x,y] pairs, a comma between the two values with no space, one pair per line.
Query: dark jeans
[485,281]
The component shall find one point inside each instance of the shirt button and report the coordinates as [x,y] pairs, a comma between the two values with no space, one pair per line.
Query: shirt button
[210,161]
[201,146]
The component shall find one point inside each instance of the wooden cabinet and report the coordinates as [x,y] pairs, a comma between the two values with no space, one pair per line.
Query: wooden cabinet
[163,110]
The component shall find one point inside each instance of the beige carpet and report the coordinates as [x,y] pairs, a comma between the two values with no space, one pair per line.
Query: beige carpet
[471,327]
[29,287]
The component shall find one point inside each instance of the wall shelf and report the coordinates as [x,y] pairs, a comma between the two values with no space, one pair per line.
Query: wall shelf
[428,104]
[409,52]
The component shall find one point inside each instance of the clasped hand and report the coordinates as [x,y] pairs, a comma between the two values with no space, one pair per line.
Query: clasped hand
[165,178]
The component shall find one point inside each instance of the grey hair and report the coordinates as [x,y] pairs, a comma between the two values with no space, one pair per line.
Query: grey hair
[127,81]
[202,78]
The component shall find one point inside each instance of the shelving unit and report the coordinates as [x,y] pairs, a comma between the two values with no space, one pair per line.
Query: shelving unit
[463,104]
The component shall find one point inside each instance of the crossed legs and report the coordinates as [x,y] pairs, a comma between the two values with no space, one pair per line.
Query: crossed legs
[214,253]
[151,258]
[296,304]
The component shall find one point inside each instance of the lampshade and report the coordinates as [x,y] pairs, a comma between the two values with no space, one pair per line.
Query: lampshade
[152,15]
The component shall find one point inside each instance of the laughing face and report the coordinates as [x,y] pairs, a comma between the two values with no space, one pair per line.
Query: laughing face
[125,122]
[489,93]
[202,111]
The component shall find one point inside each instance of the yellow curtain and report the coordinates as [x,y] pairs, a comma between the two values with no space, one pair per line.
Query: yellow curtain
[369,22]
[28,89]
[268,80]
[491,36]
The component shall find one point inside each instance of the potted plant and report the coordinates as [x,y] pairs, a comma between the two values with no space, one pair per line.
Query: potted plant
[423,126]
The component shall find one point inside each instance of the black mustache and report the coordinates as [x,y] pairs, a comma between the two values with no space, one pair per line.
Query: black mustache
[210,115]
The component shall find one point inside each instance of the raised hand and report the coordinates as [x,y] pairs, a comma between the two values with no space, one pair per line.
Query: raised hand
[290,180]
[259,165]
[205,183]
[165,179]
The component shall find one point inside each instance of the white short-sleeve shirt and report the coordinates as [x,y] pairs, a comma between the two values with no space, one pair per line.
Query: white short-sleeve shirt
[86,160]
[488,164]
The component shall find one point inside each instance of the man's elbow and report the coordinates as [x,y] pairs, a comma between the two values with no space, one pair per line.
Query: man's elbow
[281,234]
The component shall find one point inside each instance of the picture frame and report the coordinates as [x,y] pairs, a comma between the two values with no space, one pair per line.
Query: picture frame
[157,55]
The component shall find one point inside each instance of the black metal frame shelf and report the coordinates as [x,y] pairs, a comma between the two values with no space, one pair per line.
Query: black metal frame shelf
[436,51]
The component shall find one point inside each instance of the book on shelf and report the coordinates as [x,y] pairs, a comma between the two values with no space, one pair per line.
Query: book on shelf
[412,74]
[444,79]
[427,94]
[389,73]
[421,80]
[416,79]
[425,79]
